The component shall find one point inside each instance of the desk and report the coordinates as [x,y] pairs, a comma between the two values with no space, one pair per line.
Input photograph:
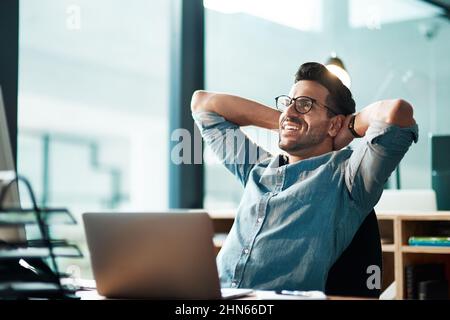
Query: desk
[256,295]
[93,295]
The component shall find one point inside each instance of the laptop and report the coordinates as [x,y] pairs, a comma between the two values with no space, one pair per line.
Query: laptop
[157,255]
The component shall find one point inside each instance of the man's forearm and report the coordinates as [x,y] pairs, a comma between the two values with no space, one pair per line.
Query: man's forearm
[243,112]
[397,112]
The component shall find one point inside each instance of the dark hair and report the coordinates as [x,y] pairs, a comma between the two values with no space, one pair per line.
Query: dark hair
[340,98]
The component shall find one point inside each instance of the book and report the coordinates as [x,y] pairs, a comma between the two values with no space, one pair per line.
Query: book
[429,241]
[433,290]
[414,274]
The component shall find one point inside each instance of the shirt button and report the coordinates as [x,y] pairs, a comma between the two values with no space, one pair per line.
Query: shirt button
[233,284]
[246,251]
[259,220]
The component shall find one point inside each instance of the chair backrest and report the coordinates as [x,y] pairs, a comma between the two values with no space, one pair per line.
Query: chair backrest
[348,276]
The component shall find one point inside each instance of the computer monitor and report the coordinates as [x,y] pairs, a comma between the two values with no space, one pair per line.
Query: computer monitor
[440,169]
[8,233]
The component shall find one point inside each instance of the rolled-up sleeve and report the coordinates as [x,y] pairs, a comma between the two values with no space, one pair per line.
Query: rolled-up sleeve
[373,161]
[234,149]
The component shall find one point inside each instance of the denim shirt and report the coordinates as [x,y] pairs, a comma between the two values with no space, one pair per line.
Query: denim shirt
[295,220]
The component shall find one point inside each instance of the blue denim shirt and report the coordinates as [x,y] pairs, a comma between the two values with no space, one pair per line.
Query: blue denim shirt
[295,220]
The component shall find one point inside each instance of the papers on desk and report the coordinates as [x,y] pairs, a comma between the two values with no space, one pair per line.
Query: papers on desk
[81,284]
[87,291]
[290,295]
[255,295]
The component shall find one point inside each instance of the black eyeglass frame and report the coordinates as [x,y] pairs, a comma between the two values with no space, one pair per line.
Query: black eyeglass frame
[291,100]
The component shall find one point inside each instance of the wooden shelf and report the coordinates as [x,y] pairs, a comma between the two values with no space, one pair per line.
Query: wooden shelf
[410,224]
[426,249]
[388,247]
[414,215]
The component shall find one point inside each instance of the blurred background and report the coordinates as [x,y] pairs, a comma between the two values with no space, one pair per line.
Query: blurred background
[94,87]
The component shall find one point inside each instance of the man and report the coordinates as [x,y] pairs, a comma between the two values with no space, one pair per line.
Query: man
[300,211]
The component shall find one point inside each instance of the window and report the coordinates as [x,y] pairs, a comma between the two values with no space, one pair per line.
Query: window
[93,101]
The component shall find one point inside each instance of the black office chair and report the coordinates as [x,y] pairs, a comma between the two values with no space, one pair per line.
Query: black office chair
[348,275]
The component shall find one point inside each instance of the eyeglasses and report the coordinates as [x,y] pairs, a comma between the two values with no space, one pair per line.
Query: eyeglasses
[302,104]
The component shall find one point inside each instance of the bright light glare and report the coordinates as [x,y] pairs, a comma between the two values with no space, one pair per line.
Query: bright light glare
[376,13]
[340,73]
[305,15]
[228,6]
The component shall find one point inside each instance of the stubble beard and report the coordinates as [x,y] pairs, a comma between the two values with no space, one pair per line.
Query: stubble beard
[302,143]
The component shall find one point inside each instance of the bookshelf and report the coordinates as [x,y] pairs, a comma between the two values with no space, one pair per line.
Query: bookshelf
[399,226]
[426,250]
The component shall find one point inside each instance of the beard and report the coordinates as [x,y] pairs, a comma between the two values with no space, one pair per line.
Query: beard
[303,140]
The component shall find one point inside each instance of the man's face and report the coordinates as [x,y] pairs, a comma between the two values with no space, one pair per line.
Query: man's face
[302,131]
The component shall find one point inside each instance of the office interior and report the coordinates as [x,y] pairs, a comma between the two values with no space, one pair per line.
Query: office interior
[94,90]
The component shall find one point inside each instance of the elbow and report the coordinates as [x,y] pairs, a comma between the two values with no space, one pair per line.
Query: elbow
[199,100]
[400,113]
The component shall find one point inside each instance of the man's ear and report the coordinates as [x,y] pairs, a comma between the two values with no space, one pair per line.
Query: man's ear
[336,124]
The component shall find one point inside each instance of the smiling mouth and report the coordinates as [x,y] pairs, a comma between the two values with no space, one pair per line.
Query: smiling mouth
[290,126]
